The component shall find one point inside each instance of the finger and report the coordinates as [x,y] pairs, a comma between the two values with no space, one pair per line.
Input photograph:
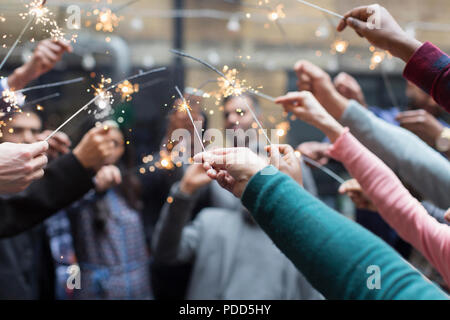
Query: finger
[117,175]
[38,163]
[36,175]
[37,148]
[49,54]
[359,26]
[447,215]
[64,44]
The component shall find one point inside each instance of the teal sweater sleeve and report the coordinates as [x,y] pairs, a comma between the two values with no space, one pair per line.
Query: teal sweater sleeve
[333,252]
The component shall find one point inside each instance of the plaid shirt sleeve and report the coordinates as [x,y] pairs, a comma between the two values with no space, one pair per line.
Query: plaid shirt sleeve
[429,69]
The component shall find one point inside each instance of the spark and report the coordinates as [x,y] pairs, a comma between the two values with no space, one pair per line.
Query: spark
[188,109]
[278,13]
[126,89]
[339,46]
[99,94]
[107,20]
[377,58]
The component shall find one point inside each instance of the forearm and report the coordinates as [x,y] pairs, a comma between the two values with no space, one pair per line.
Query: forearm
[65,182]
[403,152]
[331,251]
[429,69]
[394,203]
[167,240]
[20,78]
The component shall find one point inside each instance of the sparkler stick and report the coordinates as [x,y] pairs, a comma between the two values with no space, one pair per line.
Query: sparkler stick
[16,42]
[321,9]
[141,74]
[50,85]
[51,96]
[310,161]
[186,108]
[129,3]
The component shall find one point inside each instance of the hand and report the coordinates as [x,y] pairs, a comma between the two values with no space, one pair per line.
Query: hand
[95,149]
[353,189]
[317,151]
[59,143]
[194,178]
[347,86]
[284,158]
[422,124]
[107,177]
[20,165]
[318,82]
[46,55]
[231,167]
[377,25]
[447,215]
[305,107]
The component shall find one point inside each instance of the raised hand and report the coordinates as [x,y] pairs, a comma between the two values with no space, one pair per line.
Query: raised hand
[316,151]
[20,165]
[422,124]
[59,144]
[348,87]
[194,178]
[306,107]
[353,190]
[107,177]
[284,159]
[378,26]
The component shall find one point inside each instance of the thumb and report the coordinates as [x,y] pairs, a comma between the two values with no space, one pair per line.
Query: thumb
[38,148]
[275,155]
[359,26]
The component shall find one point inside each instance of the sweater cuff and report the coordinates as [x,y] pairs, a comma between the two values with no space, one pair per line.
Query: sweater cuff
[256,186]
[425,65]
[336,150]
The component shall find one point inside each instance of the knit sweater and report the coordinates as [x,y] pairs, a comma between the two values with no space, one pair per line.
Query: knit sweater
[429,69]
[334,253]
[395,204]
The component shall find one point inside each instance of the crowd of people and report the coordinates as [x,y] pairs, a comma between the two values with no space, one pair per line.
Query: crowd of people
[240,221]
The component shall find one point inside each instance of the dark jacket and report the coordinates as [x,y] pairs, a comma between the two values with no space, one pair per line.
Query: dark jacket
[25,261]
[65,182]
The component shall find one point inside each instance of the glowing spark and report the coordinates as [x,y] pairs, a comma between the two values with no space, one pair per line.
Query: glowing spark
[278,13]
[340,46]
[107,20]
[377,58]
[98,95]
[188,109]
[126,89]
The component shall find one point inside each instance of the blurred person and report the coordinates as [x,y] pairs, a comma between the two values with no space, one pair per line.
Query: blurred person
[334,253]
[426,65]
[199,217]
[107,231]
[25,264]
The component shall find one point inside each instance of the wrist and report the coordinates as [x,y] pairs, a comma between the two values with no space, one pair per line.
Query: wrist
[332,129]
[404,47]
[19,79]
[187,188]
[80,157]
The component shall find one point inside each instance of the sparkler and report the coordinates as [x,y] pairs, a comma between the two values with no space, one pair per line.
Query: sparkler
[321,9]
[100,94]
[185,107]
[308,160]
[50,85]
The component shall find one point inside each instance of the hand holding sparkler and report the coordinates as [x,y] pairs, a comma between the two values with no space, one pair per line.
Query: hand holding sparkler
[59,144]
[306,107]
[44,59]
[95,149]
[318,82]
[20,165]
[107,177]
[194,178]
[347,86]
[378,26]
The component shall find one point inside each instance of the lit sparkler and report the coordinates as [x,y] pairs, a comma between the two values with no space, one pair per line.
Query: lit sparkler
[126,89]
[107,20]
[99,94]
[184,107]
[308,160]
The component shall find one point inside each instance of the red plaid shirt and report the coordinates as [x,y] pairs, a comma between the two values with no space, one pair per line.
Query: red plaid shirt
[429,69]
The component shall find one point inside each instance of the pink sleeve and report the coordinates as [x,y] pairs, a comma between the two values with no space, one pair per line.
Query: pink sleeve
[395,204]
[429,69]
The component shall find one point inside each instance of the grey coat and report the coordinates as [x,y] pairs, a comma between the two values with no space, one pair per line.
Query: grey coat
[407,155]
[232,257]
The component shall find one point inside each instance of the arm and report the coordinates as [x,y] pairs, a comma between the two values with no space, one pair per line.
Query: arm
[403,152]
[174,241]
[395,204]
[331,251]
[65,181]
[429,69]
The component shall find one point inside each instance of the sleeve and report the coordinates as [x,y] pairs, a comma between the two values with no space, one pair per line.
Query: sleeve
[174,240]
[429,69]
[334,253]
[395,204]
[406,154]
[65,181]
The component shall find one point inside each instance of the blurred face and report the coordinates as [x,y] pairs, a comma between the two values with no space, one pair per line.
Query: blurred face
[119,145]
[24,128]
[237,115]
[419,99]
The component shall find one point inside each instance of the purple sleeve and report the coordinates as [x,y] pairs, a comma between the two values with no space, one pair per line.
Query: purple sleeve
[429,69]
